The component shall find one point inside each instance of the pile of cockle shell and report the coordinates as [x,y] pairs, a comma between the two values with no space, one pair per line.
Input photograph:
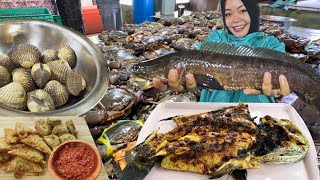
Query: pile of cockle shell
[38,81]
[297,46]
[271,28]
[294,44]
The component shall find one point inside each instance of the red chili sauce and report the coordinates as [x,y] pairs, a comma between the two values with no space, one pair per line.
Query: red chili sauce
[75,162]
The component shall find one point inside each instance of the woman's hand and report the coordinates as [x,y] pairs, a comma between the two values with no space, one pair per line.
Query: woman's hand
[267,87]
[174,82]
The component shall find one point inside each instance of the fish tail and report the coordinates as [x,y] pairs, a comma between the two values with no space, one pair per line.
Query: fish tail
[140,163]
[137,170]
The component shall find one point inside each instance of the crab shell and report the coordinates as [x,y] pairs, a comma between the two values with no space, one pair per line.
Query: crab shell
[58,92]
[25,55]
[5,77]
[59,70]
[13,96]
[49,55]
[41,74]
[40,101]
[67,53]
[23,76]
[6,62]
[74,83]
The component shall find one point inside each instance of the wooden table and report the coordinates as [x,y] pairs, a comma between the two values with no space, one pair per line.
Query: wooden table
[83,134]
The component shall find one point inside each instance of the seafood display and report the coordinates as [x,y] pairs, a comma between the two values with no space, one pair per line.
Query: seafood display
[23,149]
[142,51]
[47,79]
[224,141]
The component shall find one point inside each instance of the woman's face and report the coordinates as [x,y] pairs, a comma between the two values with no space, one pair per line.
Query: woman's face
[237,18]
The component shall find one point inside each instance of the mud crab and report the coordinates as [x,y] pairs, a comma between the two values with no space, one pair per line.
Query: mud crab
[117,103]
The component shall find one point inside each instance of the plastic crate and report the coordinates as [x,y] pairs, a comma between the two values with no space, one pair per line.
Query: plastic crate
[25,13]
[57,19]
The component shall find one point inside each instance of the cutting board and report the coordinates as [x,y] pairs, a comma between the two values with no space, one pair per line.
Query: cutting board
[83,134]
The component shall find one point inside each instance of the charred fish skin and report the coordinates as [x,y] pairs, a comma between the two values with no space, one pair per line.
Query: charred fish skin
[141,163]
[217,69]
[290,145]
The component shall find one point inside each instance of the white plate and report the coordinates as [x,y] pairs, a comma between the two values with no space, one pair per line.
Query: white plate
[303,170]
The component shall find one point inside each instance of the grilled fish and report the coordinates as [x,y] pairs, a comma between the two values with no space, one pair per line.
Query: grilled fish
[219,142]
[222,66]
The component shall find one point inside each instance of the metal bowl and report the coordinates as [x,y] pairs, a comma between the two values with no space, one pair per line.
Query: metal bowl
[285,22]
[45,35]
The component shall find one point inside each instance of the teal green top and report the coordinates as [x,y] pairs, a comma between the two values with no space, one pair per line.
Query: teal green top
[257,39]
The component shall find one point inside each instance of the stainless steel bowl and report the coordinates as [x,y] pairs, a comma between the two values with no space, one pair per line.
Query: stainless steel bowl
[286,22]
[45,35]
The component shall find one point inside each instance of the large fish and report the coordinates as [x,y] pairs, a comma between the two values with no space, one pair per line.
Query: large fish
[223,66]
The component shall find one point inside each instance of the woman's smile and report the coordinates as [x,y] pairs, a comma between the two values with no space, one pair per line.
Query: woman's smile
[239,28]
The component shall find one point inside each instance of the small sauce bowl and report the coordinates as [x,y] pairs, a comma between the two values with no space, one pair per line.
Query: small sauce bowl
[57,153]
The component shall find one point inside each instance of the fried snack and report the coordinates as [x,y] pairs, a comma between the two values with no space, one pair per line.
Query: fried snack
[29,153]
[60,129]
[22,131]
[66,137]
[9,136]
[72,128]
[43,128]
[19,166]
[4,146]
[38,143]
[4,157]
[53,122]
[52,140]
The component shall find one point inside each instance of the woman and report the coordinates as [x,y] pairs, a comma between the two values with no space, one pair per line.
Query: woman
[241,19]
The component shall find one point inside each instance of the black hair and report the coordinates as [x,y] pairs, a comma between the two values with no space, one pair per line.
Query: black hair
[253,10]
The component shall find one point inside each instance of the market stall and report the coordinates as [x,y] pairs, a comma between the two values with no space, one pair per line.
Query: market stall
[98,88]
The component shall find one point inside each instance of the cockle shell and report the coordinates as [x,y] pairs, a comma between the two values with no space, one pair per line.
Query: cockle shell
[75,83]
[6,62]
[25,55]
[5,77]
[58,92]
[14,96]
[23,76]
[49,55]
[67,53]
[59,70]
[41,74]
[40,101]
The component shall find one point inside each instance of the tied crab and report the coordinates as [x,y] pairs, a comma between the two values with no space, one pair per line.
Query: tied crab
[117,103]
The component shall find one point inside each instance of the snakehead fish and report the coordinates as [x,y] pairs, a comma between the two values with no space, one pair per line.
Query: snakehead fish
[215,143]
[223,66]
